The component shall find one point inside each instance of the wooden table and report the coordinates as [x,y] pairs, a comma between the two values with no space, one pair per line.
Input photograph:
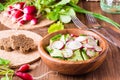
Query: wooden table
[109,70]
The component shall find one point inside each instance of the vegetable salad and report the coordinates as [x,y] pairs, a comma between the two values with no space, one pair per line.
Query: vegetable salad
[73,48]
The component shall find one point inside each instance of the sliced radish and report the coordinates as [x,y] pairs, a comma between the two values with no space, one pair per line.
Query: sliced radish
[81,38]
[91,53]
[57,45]
[92,42]
[86,45]
[67,53]
[34,21]
[30,10]
[98,48]
[73,45]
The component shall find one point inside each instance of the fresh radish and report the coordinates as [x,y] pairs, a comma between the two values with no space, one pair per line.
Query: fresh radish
[81,38]
[57,45]
[24,76]
[24,68]
[21,22]
[13,12]
[67,53]
[34,21]
[30,10]
[9,8]
[73,45]
[18,14]
[28,17]
[19,5]
[98,49]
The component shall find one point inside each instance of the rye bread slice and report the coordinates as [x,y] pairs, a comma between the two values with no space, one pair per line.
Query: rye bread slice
[16,57]
[8,22]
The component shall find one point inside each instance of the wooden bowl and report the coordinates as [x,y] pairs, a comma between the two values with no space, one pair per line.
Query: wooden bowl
[72,67]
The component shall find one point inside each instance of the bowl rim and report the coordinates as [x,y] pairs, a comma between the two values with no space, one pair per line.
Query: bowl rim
[44,53]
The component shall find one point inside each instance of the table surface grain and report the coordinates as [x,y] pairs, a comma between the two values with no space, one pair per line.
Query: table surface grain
[109,70]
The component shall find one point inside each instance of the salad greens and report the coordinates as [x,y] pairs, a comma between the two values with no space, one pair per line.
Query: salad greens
[60,10]
[5,70]
[55,27]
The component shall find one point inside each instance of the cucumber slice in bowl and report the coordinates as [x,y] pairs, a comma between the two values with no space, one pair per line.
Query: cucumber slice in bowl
[67,53]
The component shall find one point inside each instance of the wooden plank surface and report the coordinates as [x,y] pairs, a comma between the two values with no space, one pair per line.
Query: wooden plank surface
[109,70]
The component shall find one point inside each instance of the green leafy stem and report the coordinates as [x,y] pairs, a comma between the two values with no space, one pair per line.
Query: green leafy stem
[96,15]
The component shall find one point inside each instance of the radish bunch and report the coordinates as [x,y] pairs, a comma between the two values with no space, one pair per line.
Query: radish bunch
[66,46]
[21,13]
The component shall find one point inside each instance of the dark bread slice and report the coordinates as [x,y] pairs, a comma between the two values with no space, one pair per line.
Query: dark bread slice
[17,58]
[5,44]
[23,43]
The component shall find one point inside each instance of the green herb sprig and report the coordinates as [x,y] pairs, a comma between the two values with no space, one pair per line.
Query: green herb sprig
[5,70]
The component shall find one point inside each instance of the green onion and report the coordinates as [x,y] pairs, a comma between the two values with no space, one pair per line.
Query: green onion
[96,15]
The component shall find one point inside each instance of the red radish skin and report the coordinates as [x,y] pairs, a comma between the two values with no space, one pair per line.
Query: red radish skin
[24,68]
[24,76]
[19,5]
[18,14]
[30,10]
[34,21]
[73,35]
[21,22]
[28,17]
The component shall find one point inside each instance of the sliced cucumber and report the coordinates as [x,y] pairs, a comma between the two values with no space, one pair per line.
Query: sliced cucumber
[55,38]
[91,53]
[84,55]
[48,48]
[56,53]
[76,56]
[67,53]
